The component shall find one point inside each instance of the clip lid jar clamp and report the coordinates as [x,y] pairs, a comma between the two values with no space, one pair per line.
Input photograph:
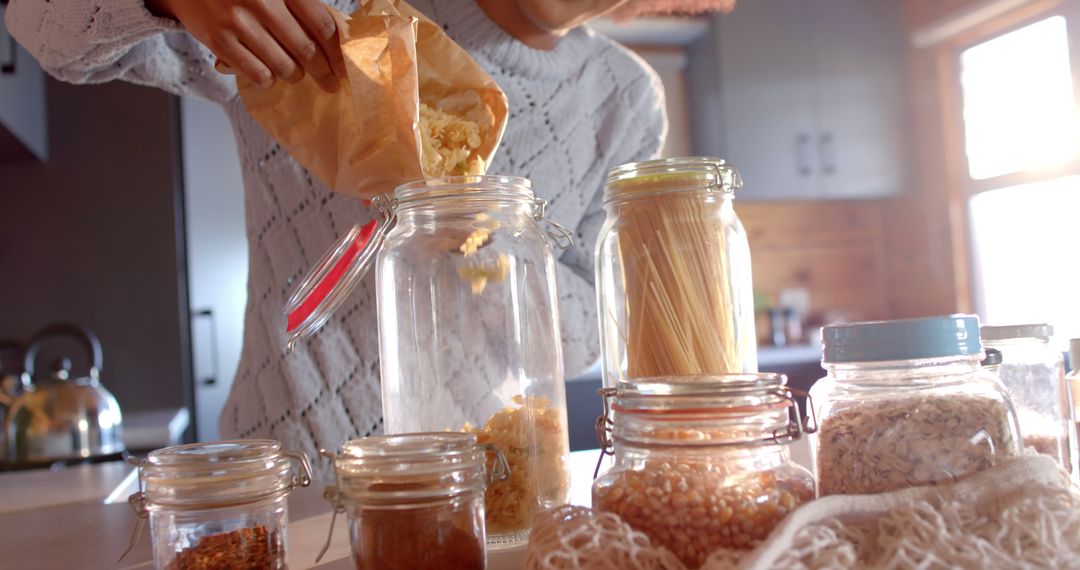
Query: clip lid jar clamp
[237,488]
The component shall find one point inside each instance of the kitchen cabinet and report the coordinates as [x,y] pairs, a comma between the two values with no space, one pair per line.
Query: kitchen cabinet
[806,99]
[23,131]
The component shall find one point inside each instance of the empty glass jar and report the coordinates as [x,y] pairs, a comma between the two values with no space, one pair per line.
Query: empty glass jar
[905,404]
[416,500]
[219,505]
[468,328]
[704,464]
[1034,376]
[673,273]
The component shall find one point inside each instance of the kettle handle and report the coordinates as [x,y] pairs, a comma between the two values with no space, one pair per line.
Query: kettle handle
[88,339]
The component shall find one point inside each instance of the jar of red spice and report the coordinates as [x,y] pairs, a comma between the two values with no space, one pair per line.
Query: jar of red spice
[704,464]
[219,505]
[416,500]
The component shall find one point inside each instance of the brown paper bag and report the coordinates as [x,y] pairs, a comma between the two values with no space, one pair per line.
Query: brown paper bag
[365,139]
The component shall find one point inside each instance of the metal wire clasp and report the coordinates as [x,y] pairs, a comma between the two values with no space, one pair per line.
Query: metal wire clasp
[303,479]
[337,503]
[137,500]
[561,235]
[604,425]
[796,427]
[386,205]
[500,469]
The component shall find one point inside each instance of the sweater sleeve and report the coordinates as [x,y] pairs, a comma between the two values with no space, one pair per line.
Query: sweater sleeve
[94,41]
[643,128]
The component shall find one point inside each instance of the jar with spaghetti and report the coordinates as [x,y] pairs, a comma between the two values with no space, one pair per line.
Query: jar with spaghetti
[416,500]
[907,403]
[704,464]
[468,328]
[1034,376]
[673,273]
[219,505]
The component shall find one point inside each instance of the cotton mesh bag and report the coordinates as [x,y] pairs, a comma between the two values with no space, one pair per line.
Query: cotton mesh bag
[1024,513]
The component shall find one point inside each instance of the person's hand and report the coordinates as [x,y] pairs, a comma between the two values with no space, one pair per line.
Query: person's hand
[264,40]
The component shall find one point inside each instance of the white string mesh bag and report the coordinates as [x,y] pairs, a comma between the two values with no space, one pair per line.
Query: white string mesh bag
[1021,514]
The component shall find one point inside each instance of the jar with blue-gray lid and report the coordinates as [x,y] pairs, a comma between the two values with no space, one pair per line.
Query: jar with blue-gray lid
[905,404]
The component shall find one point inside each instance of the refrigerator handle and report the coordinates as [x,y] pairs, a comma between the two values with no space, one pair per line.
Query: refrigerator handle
[212,378]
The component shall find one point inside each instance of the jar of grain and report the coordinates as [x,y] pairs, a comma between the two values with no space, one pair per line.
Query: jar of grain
[704,464]
[468,327]
[906,403]
[673,273]
[416,500]
[1034,376]
[219,505]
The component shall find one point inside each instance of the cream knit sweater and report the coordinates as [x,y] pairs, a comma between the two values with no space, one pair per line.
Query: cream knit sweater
[575,112]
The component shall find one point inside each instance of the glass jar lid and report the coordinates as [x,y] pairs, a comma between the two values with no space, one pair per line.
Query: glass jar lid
[1040,331]
[907,339]
[732,409]
[695,173]
[406,468]
[206,475]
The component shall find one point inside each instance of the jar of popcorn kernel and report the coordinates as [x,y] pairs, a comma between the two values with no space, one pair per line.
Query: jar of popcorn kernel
[704,464]
[907,403]
[468,328]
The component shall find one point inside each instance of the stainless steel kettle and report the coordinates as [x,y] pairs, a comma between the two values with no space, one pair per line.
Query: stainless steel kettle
[59,418]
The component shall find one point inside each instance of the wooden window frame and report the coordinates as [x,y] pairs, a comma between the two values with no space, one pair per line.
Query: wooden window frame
[958,182]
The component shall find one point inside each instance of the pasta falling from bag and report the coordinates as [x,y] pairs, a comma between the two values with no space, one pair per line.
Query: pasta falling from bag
[415,105]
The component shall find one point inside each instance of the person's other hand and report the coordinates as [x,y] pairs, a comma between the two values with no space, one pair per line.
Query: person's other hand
[264,40]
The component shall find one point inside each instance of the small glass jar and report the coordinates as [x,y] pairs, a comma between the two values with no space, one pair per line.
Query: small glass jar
[1034,376]
[673,273]
[704,464]
[907,403]
[468,328]
[416,500]
[219,505]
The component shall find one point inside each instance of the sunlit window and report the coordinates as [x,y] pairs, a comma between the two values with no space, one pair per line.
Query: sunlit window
[1026,241]
[1020,117]
[1019,112]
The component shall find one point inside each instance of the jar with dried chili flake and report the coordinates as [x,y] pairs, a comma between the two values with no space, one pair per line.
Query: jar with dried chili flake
[703,464]
[219,505]
[416,500]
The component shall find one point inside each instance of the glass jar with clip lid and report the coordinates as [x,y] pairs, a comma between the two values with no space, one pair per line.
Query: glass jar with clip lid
[704,463]
[673,273]
[468,327]
[415,500]
[218,505]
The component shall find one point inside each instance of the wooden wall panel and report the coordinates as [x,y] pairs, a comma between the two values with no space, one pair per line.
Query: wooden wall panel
[925,12]
[833,249]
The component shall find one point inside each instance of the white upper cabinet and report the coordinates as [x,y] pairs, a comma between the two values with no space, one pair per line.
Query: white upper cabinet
[806,99]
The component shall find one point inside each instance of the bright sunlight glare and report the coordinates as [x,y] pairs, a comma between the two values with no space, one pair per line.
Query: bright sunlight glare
[1026,239]
[1018,101]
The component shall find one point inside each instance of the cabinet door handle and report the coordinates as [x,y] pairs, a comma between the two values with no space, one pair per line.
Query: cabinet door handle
[212,378]
[827,153]
[802,154]
[8,67]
